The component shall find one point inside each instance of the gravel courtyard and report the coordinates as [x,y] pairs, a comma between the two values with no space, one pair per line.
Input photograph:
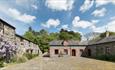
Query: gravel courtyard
[63,63]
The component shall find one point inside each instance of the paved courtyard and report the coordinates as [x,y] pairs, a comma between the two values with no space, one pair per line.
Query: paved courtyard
[63,63]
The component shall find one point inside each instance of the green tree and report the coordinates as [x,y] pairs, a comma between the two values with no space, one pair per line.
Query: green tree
[43,40]
[69,35]
[29,35]
[102,35]
[42,37]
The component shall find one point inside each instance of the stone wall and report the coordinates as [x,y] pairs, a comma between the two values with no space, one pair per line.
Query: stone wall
[102,49]
[1,28]
[7,31]
[9,34]
[25,45]
[20,44]
[35,48]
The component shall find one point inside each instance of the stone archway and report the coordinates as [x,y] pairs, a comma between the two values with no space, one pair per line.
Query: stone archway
[73,52]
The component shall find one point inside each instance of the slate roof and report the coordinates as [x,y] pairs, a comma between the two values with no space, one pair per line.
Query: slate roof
[70,43]
[77,43]
[104,40]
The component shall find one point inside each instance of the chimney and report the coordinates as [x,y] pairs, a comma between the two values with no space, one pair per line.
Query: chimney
[107,33]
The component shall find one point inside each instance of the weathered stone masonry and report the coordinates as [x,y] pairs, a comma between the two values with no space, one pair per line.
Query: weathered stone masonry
[105,46]
[7,32]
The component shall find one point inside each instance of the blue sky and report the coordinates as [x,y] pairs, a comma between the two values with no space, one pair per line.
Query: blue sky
[82,16]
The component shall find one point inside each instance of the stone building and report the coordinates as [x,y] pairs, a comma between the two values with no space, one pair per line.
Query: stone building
[66,48]
[105,46]
[7,33]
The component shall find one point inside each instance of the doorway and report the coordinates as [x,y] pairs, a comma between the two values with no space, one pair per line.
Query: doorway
[73,52]
[89,52]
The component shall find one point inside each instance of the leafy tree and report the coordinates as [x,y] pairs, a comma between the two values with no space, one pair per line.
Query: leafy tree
[102,35]
[64,36]
[29,35]
[42,37]
[68,35]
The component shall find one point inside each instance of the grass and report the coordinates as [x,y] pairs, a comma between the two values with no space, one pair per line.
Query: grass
[2,62]
[19,59]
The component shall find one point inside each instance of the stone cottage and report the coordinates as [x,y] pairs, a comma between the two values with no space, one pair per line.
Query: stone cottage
[105,46]
[66,48]
[8,34]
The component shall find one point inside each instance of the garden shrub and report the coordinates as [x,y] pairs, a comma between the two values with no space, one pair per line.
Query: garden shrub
[1,62]
[30,56]
[106,57]
[22,59]
[14,59]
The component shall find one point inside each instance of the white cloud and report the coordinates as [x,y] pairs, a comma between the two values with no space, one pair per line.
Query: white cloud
[99,29]
[77,23]
[112,18]
[51,23]
[87,5]
[94,21]
[104,2]
[109,26]
[60,4]
[35,7]
[29,5]
[65,26]
[21,17]
[99,12]
[21,1]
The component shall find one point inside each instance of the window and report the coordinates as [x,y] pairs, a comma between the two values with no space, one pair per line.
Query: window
[107,50]
[56,51]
